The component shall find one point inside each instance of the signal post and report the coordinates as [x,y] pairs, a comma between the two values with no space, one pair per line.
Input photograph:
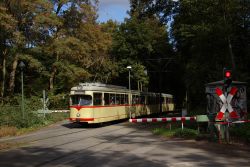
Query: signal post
[226,104]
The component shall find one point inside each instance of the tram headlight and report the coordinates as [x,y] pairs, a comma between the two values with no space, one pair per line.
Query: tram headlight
[78,115]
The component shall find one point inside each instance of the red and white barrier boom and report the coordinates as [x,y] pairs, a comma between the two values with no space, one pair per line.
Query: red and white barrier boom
[169,119]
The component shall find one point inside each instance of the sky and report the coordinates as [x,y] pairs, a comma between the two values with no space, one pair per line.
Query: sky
[113,9]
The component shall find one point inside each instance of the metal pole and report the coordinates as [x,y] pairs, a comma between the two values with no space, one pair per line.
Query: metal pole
[129,80]
[22,105]
[44,103]
[129,87]
[160,85]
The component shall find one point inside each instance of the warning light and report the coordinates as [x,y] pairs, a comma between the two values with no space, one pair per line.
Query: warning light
[227,78]
[228,74]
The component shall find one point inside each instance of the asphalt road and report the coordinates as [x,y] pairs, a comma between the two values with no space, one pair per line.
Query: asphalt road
[123,144]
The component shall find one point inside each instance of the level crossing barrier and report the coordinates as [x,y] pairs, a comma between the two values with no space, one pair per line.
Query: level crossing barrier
[167,119]
[182,119]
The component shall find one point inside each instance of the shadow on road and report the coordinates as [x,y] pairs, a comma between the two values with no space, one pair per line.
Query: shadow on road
[39,156]
[97,125]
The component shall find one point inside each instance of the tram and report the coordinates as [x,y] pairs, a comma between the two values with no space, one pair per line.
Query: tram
[97,103]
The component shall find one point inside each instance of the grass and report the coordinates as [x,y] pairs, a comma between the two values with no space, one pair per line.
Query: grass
[12,130]
[16,131]
[176,132]
[8,131]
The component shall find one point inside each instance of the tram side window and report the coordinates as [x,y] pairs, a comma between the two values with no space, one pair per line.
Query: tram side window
[152,100]
[112,99]
[122,99]
[135,99]
[118,99]
[158,99]
[142,99]
[166,100]
[126,99]
[162,100]
[106,98]
[82,100]
[97,99]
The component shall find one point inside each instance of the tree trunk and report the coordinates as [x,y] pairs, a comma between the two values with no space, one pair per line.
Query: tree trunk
[13,75]
[231,53]
[52,78]
[4,74]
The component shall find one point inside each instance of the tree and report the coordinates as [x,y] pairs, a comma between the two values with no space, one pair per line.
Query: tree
[79,41]
[139,39]
[57,40]
[10,39]
[207,35]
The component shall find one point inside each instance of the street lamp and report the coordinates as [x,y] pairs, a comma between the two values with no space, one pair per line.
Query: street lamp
[129,87]
[22,65]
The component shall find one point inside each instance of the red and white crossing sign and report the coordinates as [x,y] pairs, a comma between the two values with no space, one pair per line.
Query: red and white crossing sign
[226,103]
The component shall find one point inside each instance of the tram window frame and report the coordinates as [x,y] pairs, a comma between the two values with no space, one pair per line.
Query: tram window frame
[97,101]
[106,99]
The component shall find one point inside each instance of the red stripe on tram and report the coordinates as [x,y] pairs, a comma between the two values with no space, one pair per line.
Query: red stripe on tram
[81,119]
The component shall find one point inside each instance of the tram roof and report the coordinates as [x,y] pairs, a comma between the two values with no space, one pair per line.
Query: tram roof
[99,87]
[109,88]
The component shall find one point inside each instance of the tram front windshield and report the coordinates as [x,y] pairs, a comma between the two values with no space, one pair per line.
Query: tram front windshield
[81,100]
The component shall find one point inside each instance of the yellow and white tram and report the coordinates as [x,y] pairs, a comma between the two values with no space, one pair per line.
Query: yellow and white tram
[97,103]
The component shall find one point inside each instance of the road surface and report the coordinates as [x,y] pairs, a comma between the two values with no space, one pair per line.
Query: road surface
[122,144]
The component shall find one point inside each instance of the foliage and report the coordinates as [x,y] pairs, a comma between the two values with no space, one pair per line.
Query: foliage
[12,116]
[182,44]
[60,43]
[59,101]
[134,42]
[208,36]
[241,131]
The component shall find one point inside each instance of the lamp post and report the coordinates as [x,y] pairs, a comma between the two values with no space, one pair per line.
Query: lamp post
[22,65]
[129,87]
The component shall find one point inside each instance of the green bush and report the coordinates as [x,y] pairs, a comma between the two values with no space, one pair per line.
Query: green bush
[60,101]
[186,133]
[12,116]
